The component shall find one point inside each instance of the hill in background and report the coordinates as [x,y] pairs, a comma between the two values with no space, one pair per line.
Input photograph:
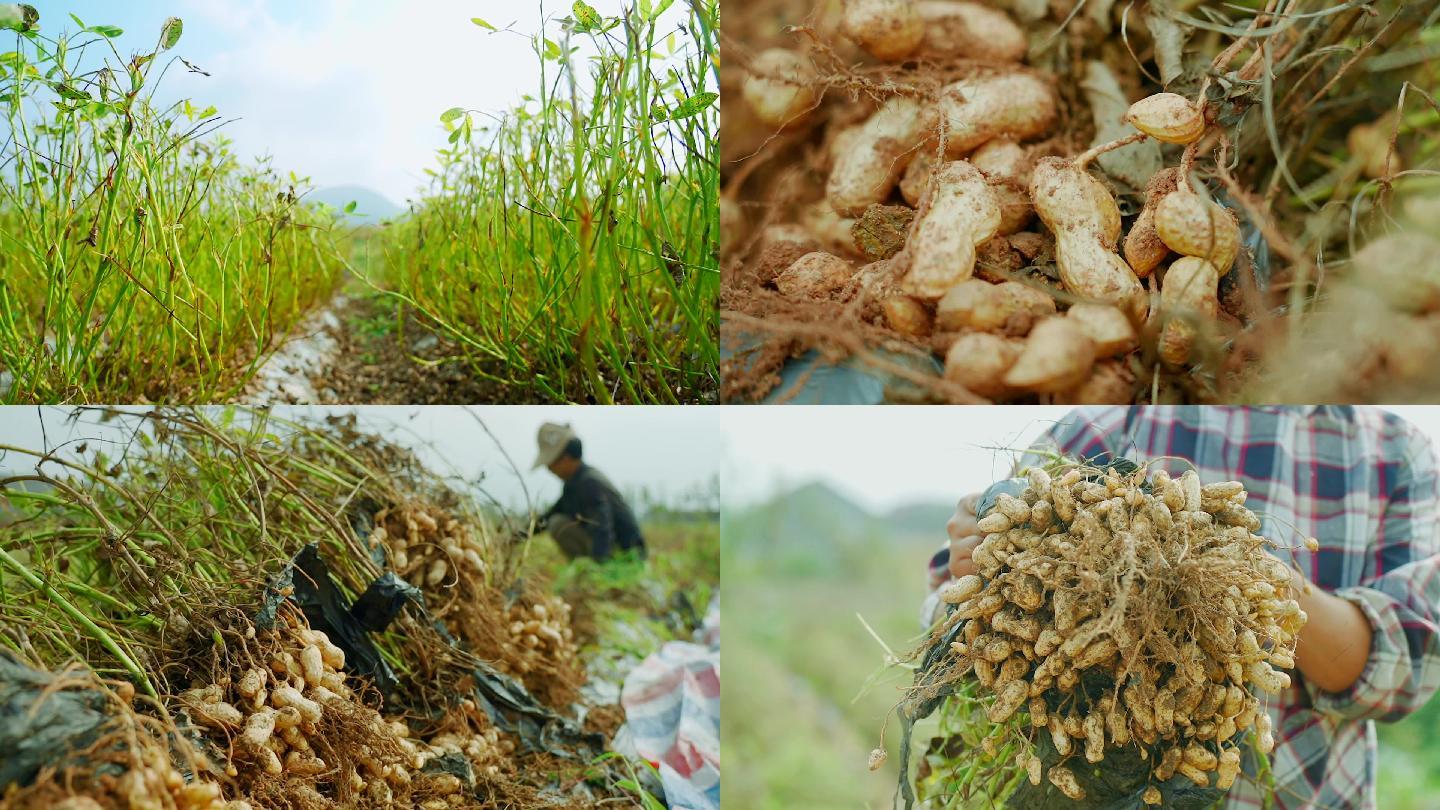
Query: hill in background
[817,529]
[371,206]
[809,575]
[920,520]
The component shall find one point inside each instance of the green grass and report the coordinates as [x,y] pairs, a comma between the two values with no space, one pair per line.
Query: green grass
[1409,776]
[810,693]
[633,605]
[787,746]
[571,247]
[138,261]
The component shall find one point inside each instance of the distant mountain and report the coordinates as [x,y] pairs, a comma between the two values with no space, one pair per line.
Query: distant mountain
[812,527]
[822,499]
[665,514]
[920,520]
[371,206]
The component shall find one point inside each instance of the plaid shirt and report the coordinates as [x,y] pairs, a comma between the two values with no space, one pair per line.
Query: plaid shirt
[1361,481]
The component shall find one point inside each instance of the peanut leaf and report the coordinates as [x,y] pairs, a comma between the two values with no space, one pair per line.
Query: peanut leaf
[586,18]
[170,33]
[693,106]
[18,16]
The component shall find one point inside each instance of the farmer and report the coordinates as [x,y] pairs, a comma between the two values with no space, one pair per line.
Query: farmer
[590,519]
[1361,481]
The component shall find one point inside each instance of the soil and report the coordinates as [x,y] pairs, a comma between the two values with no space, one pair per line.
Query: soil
[358,350]
[380,362]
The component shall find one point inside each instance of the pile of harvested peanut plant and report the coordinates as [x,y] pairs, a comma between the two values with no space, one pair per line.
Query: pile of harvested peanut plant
[1118,639]
[250,612]
[1092,202]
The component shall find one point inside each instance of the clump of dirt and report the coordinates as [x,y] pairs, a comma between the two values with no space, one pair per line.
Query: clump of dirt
[605,720]
[1115,615]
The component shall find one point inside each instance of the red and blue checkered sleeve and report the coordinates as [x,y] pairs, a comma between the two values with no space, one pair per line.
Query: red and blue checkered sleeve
[1400,596]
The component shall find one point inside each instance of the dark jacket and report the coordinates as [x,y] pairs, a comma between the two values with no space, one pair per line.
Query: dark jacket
[591,499]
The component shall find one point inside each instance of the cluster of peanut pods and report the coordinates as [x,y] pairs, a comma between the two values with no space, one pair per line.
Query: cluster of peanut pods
[273,717]
[1159,589]
[971,164]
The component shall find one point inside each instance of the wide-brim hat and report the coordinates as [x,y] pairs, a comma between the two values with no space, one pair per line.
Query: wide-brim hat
[551,440]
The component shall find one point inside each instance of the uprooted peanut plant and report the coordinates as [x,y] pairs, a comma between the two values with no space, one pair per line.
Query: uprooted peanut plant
[1094,202]
[1116,615]
[176,566]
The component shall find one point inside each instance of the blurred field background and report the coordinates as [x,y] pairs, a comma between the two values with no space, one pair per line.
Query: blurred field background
[817,532]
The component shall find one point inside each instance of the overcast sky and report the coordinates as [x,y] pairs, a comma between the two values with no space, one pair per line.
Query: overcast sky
[349,92]
[883,457]
[670,451]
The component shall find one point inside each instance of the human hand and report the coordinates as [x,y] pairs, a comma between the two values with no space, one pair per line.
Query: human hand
[1334,645]
[964,536]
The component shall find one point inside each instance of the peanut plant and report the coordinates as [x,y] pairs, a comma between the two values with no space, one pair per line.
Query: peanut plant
[138,261]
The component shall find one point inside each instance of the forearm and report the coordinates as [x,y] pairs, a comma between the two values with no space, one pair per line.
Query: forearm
[1334,645]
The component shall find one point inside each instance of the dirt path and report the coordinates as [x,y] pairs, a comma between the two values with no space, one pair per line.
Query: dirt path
[387,355]
[358,349]
[285,378]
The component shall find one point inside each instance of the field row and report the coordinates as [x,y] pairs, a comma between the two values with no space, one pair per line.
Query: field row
[564,252]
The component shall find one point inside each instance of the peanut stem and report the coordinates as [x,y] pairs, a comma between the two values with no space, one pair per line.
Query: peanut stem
[1095,151]
[98,633]
[1187,159]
